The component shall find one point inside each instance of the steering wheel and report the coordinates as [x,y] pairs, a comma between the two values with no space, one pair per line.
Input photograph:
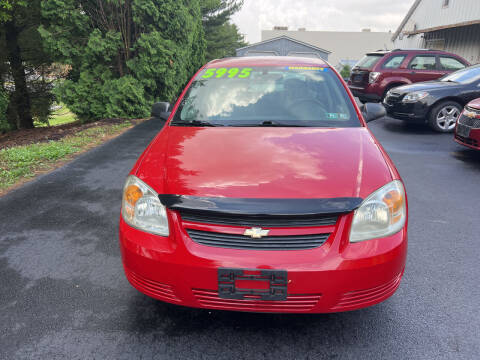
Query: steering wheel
[307,112]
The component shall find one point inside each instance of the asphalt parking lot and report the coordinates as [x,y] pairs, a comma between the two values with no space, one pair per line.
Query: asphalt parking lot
[64,295]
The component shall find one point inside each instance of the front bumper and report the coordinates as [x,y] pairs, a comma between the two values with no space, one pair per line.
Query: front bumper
[472,141]
[337,276]
[416,112]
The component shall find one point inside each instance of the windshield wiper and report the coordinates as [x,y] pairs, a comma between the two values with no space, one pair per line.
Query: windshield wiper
[270,123]
[195,123]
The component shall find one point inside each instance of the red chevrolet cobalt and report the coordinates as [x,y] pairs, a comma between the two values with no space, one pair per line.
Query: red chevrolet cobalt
[467,129]
[265,191]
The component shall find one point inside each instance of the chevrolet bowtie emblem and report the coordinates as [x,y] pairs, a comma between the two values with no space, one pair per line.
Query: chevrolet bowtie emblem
[469,114]
[256,233]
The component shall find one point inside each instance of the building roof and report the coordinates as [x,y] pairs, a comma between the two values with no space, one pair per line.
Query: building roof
[430,15]
[344,45]
[405,20]
[287,38]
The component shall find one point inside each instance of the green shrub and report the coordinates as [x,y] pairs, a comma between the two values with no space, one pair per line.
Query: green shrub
[146,54]
[345,72]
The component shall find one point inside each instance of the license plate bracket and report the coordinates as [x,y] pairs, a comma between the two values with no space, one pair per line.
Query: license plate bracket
[276,279]
[463,130]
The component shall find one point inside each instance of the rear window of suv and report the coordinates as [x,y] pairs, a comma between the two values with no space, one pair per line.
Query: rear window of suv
[394,62]
[450,63]
[369,61]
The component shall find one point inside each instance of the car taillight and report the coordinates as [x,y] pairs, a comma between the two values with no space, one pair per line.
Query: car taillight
[373,77]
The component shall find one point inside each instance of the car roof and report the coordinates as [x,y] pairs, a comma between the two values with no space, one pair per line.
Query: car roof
[266,61]
[379,52]
[413,51]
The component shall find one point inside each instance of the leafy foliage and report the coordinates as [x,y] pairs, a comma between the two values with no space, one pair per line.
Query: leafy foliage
[6,8]
[221,35]
[4,126]
[24,64]
[345,72]
[124,54]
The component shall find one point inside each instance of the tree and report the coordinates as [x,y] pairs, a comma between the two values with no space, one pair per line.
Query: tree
[222,36]
[4,126]
[6,7]
[124,54]
[22,62]
[345,72]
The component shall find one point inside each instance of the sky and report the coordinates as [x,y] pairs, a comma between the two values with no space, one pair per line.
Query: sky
[327,15]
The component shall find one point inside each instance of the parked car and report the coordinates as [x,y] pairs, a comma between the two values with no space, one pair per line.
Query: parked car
[467,131]
[437,103]
[265,191]
[378,72]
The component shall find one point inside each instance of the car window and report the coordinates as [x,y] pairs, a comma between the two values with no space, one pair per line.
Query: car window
[423,62]
[369,61]
[464,76]
[394,62]
[289,95]
[449,63]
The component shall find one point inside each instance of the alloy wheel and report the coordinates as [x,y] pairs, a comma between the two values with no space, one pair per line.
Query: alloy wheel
[447,117]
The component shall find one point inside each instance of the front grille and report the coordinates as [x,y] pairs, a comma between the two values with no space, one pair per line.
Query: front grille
[468,141]
[471,122]
[294,303]
[393,97]
[260,221]
[233,241]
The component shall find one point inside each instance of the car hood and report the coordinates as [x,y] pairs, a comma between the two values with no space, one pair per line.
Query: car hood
[474,104]
[260,162]
[427,86]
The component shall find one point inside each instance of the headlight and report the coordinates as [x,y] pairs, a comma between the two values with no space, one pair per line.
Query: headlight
[142,209]
[415,96]
[373,77]
[381,214]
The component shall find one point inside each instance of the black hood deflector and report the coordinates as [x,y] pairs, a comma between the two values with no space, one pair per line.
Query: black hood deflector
[251,206]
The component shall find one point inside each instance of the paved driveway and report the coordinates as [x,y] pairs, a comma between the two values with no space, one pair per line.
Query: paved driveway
[63,293]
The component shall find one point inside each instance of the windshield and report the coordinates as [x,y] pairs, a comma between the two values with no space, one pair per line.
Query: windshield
[267,96]
[369,61]
[464,76]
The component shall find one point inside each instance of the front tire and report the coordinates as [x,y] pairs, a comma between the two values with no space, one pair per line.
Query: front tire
[444,116]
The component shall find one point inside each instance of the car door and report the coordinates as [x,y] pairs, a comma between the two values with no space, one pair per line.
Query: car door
[423,67]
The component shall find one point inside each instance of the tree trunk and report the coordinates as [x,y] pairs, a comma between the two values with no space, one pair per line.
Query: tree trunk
[21,97]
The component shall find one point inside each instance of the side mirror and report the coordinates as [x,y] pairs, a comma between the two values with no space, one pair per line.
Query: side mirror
[373,111]
[160,110]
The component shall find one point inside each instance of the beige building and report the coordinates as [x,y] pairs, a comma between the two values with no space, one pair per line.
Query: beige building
[345,47]
[451,25]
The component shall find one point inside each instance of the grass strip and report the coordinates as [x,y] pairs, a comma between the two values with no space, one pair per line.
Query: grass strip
[24,162]
[60,116]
